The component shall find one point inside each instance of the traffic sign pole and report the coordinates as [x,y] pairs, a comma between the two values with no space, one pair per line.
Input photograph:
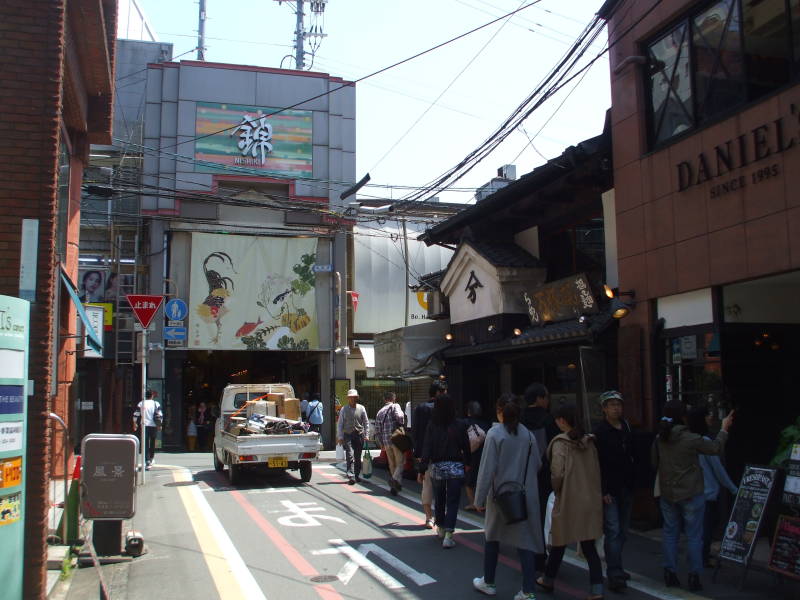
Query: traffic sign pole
[141,412]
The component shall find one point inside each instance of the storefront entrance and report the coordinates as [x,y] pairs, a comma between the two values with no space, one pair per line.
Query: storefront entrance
[199,376]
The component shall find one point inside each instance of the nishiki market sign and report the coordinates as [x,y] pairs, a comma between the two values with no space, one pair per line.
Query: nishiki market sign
[724,163]
[270,141]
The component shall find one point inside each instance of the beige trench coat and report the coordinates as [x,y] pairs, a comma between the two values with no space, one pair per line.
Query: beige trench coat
[575,472]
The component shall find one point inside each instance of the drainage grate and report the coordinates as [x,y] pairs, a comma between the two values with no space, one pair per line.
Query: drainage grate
[180,483]
[324,578]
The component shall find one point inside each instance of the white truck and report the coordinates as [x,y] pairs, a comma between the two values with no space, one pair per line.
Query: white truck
[291,451]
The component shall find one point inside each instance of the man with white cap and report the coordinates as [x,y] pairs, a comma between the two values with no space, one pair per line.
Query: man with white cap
[614,442]
[352,430]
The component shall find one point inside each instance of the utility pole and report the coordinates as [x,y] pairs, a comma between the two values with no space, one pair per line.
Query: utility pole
[201,32]
[300,34]
[299,37]
[405,258]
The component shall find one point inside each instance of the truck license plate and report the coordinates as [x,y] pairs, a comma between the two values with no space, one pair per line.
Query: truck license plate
[277,461]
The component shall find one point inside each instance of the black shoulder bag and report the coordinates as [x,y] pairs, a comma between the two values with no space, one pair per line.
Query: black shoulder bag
[512,503]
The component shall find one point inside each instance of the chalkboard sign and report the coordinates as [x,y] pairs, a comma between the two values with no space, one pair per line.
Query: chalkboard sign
[785,555]
[748,510]
[791,487]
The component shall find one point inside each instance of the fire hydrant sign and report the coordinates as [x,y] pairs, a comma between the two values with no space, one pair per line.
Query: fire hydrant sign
[14,318]
[144,307]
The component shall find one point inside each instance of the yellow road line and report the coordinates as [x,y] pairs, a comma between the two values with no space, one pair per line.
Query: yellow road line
[231,576]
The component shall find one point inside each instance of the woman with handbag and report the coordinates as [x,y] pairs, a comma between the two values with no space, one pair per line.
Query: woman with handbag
[578,510]
[507,490]
[446,450]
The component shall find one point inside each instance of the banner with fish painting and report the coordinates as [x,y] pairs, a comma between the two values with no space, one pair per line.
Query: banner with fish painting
[252,293]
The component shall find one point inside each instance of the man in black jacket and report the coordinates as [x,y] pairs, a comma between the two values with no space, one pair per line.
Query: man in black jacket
[537,419]
[419,426]
[615,449]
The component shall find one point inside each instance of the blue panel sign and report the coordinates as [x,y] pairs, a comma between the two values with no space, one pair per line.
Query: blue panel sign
[321,268]
[176,310]
[12,399]
[174,333]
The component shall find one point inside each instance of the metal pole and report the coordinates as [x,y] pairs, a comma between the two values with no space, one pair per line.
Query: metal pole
[201,32]
[299,58]
[143,392]
[55,417]
[405,258]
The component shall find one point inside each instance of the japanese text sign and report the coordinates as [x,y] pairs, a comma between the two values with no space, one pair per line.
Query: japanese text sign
[108,476]
[144,307]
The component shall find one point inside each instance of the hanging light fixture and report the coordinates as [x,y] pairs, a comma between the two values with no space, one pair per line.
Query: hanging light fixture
[620,309]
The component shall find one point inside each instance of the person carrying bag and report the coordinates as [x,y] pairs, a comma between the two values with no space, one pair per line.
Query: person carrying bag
[512,512]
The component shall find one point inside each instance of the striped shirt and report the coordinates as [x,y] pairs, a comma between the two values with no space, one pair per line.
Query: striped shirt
[389,418]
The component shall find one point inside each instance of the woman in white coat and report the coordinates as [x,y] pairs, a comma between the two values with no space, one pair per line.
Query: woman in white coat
[508,448]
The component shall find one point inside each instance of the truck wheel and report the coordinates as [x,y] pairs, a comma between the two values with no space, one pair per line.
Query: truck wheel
[305,470]
[219,467]
[234,473]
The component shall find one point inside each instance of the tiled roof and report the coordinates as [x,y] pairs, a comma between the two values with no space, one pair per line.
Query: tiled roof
[505,254]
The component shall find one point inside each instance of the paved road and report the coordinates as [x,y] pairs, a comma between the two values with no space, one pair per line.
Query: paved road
[277,538]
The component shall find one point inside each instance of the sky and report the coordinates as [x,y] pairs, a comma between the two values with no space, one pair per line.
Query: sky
[416,121]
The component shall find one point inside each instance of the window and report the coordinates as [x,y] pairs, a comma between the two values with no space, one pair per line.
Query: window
[63,201]
[725,54]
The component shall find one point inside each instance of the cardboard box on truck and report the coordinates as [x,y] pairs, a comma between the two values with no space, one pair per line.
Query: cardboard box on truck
[278,399]
[292,407]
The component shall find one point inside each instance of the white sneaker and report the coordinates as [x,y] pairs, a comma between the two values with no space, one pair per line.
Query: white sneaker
[429,523]
[484,588]
[448,541]
[523,596]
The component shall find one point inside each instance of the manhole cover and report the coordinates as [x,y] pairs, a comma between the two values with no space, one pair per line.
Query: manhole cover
[180,483]
[324,578]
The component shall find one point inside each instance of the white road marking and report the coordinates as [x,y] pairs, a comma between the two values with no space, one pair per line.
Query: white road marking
[299,514]
[359,560]
[273,490]
[230,573]
[414,575]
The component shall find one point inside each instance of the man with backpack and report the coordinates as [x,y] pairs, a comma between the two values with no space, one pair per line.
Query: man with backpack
[537,419]
[387,421]
[315,416]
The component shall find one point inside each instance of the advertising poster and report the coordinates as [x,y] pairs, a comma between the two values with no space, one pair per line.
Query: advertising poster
[252,293]
[252,137]
[14,319]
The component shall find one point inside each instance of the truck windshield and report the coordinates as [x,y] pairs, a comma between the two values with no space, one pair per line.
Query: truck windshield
[240,399]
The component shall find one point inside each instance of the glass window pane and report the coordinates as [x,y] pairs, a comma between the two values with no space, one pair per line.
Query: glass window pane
[63,201]
[794,9]
[719,80]
[670,84]
[766,45]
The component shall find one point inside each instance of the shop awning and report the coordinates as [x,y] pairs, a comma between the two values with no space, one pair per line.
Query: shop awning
[551,334]
[92,337]
[368,353]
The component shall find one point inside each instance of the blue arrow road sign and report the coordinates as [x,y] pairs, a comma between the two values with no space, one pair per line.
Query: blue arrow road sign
[174,333]
[176,310]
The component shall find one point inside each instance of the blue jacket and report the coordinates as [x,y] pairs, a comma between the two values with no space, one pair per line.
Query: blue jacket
[714,474]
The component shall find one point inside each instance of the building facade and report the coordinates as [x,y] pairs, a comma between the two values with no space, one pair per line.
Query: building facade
[58,64]
[706,155]
[243,172]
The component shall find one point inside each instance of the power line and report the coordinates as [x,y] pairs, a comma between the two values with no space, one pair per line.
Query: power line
[363,78]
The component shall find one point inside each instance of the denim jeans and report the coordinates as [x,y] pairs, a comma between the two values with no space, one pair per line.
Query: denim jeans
[690,512]
[616,520]
[491,553]
[353,446]
[447,497]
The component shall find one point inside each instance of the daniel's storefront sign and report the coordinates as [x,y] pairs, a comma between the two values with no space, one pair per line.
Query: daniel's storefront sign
[271,140]
[725,165]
